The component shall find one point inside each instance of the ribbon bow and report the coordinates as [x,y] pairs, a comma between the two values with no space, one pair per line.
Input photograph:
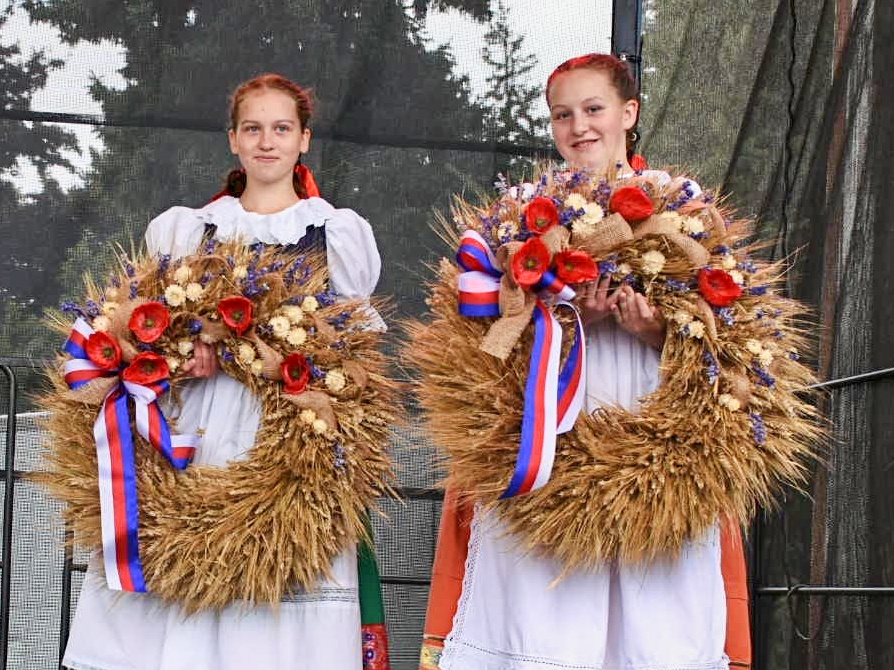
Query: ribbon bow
[119,511]
[554,393]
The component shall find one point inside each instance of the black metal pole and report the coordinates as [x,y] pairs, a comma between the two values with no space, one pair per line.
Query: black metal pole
[753,587]
[65,609]
[6,580]
[627,30]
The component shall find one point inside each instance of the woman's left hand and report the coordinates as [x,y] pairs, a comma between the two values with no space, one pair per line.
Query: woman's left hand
[203,362]
[635,315]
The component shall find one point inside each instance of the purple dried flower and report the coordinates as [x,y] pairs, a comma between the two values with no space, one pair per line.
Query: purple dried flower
[712,370]
[758,427]
[763,376]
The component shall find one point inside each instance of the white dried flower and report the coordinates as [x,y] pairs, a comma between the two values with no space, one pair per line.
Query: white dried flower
[246,353]
[175,295]
[182,274]
[336,380]
[692,225]
[307,416]
[737,277]
[185,347]
[682,317]
[729,262]
[592,213]
[575,201]
[280,326]
[293,313]
[296,337]
[240,272]
[652,262]
[624,269]
[695,329]
[257,367]
[765,357]
[320,426]
[753,346]
[194,291]
[310,304]
[730,402]
[110,307]
[102,323]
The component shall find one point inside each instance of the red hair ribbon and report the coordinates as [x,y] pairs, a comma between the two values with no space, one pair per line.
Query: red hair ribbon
[307,178]
[638,162]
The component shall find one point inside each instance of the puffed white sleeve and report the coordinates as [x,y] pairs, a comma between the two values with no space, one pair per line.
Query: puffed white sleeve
[352,254]
[353,259]
[177,231]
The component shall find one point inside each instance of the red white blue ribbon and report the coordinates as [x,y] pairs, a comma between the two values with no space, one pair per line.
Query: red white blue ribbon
[479,285]
[553,399]
[554,393]
[119,509]
[80,370]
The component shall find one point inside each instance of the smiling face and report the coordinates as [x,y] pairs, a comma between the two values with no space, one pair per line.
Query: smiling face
[268,137]
[590,119]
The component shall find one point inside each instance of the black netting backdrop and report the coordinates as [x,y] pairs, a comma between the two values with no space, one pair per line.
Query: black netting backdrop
[789,106]
[786,105]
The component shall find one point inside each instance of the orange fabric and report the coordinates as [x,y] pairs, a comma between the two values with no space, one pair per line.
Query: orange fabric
[735,581]
[449,566]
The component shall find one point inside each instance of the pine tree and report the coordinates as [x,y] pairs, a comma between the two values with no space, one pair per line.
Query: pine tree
[510,98]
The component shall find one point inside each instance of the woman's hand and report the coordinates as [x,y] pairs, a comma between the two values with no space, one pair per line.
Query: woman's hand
[203,362]
[630,310]
[635,315]
[597,300]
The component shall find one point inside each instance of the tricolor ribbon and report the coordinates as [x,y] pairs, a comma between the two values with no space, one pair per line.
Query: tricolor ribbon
[554,392]
[119,510]
[479,285]
[554,397]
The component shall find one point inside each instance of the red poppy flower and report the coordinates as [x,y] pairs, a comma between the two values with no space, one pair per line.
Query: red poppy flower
[146,368]
[149,321]
[103,350]
[718,287]
[530,262]
[295,373]
[236,312]
[541,215]
[575,266]
[632,203]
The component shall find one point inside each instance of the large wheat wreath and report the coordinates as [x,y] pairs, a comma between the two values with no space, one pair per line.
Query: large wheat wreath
[729,422]
[261,527]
